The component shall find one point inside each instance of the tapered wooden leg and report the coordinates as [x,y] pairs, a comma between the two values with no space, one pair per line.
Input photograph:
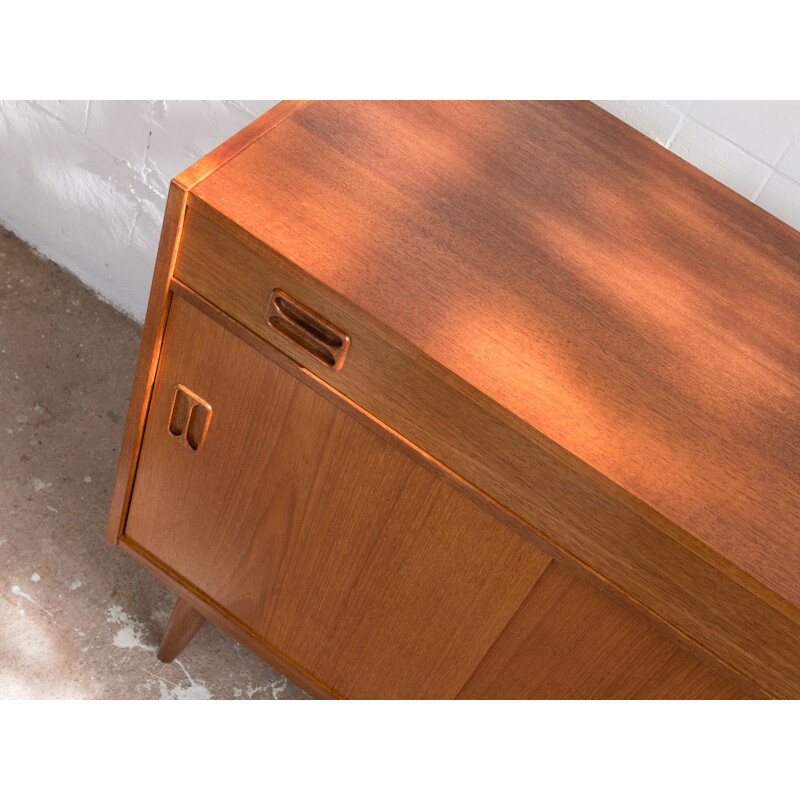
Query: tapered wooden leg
[181,628]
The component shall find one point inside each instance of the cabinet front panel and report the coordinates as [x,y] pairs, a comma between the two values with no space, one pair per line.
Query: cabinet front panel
[325,540]
[572,641]
[561,499]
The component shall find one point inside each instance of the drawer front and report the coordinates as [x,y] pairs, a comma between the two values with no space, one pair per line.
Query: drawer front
[570,509]
[327,541]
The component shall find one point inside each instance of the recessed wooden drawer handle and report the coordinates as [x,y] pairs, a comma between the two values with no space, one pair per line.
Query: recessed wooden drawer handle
[322,340]
[189,418]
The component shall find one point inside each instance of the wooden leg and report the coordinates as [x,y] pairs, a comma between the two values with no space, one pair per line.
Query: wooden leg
[181,628]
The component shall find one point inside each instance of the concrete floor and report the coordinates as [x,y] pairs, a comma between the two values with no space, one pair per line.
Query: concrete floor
[79,618]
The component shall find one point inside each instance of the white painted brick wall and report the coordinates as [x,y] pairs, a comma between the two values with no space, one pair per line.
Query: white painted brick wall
[752,146]
[85,182]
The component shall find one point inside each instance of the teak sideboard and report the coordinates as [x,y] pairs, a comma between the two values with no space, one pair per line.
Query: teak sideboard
[471,400]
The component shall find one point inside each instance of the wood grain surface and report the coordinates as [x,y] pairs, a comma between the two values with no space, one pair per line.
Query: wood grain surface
[236,144]
[223,620]
[356,565]
[323,538]
[608,294]
[594,338]
[570,641]
[587,290]
[567,506]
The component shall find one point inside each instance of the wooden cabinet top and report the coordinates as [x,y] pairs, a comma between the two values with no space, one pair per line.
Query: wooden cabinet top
[632,310]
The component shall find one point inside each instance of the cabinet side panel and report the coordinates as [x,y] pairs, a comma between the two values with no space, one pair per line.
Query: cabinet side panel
[571,641]
[157,308]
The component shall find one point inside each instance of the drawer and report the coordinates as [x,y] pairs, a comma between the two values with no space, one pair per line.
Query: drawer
[247,280]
